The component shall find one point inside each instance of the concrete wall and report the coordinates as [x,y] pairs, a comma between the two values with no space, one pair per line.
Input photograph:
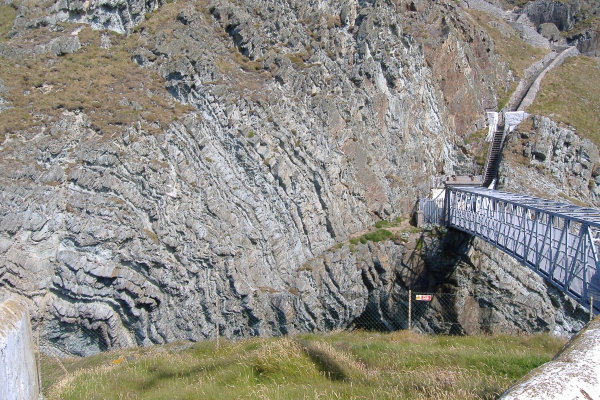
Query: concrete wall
[573,374]
[535,86]
[18,370]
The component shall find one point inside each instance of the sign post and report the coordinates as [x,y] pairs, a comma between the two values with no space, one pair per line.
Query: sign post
[409,309]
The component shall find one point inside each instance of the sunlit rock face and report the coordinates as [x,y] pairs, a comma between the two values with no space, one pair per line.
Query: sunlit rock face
[305,123]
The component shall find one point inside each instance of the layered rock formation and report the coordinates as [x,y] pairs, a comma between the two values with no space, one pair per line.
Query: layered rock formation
[578,19]
[116,15]
[549,160]
[306,123]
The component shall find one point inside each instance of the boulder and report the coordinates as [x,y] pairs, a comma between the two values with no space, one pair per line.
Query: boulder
[549,31]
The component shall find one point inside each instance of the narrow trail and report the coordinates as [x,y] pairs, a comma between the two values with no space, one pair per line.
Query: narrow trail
[529,84]
[519,22]
[531,74]
[528,87]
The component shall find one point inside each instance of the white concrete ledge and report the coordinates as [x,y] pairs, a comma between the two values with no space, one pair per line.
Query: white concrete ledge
[18,369]
[573,374]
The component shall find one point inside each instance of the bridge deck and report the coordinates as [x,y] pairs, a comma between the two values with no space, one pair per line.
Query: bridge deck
[559,241]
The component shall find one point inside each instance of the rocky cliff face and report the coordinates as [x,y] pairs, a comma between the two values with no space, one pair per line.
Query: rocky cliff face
[116,15]
[496,294]
[551,161]
[578,19]
[144,222]
[561,14]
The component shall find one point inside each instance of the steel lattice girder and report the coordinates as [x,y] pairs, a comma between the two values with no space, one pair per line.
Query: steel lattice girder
[581,214]
[559,241]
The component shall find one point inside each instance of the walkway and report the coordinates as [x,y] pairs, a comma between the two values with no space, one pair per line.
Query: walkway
[559,241]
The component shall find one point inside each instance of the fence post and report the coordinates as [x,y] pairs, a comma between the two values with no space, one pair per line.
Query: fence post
[447,205]
[591,307]
[218,325]
[409,309]
[38,361]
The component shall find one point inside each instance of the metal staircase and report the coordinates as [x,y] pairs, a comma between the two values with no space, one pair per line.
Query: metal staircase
[492,164]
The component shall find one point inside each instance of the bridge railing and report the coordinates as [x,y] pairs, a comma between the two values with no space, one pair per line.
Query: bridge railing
[560,242]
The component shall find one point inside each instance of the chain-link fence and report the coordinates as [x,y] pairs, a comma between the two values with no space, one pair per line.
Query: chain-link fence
[424,312]
[432,313]
[460,314]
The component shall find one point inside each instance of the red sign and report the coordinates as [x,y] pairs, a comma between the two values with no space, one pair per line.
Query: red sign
[423,297]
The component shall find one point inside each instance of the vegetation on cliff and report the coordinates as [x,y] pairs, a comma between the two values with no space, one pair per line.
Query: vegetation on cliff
[99,80]
[569,94]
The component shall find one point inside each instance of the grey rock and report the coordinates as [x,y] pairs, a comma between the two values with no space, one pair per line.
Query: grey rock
[541,150]
[588,42]
[560,13]
[4,104]
[199,230]
[496,294]
[59,46]
[549,31]
[561,165]
[223,222]
[116,15]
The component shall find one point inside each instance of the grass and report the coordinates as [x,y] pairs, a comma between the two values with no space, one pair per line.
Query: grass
[508,44]
[348,365]
[378,236]
[7,17]
[510,47]
[105,84]
[569,94]
[388,224]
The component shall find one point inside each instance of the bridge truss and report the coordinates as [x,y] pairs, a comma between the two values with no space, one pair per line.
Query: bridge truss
[559,241]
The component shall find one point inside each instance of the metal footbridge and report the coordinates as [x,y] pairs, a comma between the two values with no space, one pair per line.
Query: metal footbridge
[559,241]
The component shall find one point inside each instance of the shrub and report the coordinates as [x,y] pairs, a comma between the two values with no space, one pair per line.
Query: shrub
[377,236]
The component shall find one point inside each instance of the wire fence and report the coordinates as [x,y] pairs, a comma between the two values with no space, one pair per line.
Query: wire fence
[423,312]
[459,314]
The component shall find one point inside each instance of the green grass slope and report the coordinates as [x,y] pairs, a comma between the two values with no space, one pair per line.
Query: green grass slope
[569,94]
[356,365]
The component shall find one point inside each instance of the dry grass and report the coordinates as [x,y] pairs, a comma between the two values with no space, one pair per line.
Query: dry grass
[569,94]
[508,44]
[340,365]
[7,16]
[104,84]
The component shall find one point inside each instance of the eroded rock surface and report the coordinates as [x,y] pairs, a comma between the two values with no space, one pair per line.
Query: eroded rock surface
[549,160]
[116,15]
[306,124]
[201,226]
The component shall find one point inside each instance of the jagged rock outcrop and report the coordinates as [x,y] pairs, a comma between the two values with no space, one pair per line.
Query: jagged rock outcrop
[116,15]
[549,31]
[549,160]
[588,42]
[306,124]
[3,102]
[200,227]
[577,18]
[560,13]
[497,294]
